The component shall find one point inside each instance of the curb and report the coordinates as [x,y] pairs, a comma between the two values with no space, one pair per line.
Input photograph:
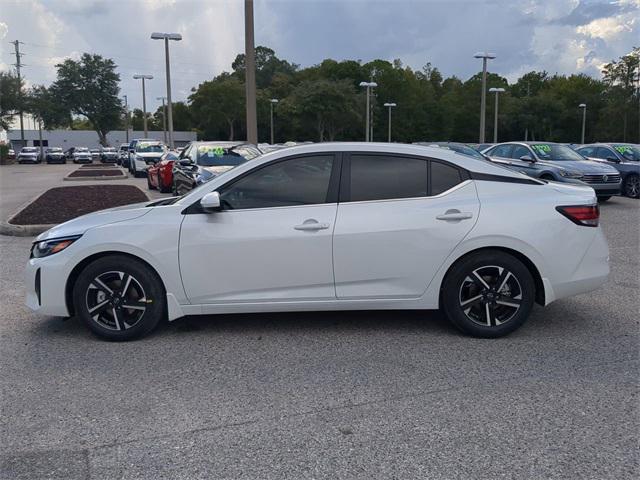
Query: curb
[122,176]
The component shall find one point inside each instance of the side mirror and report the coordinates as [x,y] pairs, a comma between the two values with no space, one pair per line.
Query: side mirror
[210,202]
[185,162]
[131,150]
[527,158]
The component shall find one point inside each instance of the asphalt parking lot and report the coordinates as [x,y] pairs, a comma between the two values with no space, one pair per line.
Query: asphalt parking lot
[329,395]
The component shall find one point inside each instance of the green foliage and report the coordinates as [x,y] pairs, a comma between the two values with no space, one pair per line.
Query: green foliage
[218,107]
[10,98]
[89,87]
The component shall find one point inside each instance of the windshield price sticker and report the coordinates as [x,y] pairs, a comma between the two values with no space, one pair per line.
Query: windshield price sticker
[544,149]
[623,149]
[211,151]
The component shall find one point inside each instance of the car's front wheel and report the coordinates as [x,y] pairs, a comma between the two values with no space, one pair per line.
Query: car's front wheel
[632,186]
[488,294]
[119,298]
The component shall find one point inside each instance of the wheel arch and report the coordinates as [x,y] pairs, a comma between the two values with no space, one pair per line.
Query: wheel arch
[533,269]
[75,273]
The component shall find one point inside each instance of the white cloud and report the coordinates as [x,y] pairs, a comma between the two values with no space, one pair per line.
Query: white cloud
[608,28]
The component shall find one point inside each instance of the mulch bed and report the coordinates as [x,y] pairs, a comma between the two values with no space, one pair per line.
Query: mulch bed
[96,173]
[64,203]
[99,165]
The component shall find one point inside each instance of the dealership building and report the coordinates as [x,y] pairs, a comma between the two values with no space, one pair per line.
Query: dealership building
[88,138]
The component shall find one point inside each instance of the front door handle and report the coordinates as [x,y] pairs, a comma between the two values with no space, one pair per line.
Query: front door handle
[312,225]
[454,215]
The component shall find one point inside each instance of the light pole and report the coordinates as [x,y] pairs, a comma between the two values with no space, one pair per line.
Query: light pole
[369,86]
[250,73]
[272,102]
[164,119]
[144,101]
[483,98]
[390,106]
[583,106]
[126,118]
[166,37]
[497,91]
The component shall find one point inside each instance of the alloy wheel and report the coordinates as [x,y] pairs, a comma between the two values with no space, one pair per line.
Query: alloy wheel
[632,187]
[490,296]
[116,300]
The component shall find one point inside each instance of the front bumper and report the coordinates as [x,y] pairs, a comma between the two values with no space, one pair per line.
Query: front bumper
[606,189]
[45,290]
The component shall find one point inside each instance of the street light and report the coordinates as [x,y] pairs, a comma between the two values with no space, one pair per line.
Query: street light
[272,102]
[390,106]
[497,91]
[369,86]
[483,99]
[144,100]
[164,119]
[126,117]
[166,37]
[583,106]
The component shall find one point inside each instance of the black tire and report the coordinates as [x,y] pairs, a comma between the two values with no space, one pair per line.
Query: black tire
[604,199]
[174,189]
[631,187]
[488,312]
[114,321]
[149,186]
[547,177]
[161,187]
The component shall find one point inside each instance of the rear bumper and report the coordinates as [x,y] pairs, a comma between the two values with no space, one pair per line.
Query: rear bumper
[591,273]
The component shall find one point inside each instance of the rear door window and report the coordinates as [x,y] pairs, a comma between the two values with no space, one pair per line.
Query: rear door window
[385,177]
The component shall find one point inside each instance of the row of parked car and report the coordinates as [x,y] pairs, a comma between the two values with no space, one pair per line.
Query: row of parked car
[73,154]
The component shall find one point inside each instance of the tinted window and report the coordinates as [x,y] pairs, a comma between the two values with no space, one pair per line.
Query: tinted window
[501,151]
[519,150]
[380,177]
[604,153]
[587,152]
[443,177]
[300,181]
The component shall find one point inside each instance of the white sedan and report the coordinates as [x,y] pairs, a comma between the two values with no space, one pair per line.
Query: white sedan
[331,226]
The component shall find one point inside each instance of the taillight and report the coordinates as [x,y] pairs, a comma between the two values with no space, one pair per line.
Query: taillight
[585,215]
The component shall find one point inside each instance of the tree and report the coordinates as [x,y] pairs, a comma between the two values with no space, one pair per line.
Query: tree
[267,65]
[41,103]
[89,87]
[218,105]
[10,98]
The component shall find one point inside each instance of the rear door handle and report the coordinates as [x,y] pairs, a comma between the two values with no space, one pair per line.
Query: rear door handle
[311,225]
[455,215]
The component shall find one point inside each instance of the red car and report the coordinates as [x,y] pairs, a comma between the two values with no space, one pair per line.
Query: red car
[160,175]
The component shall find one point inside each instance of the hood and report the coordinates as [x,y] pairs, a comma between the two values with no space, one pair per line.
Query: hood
[218,169]
[582,166]
[79,225]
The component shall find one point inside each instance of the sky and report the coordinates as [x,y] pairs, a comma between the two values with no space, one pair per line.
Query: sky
[559,36]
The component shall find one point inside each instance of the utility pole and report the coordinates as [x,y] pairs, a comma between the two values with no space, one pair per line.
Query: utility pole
[144,101]
[18,65]
[483,97]
[526,130]
[272,102]
[250,73]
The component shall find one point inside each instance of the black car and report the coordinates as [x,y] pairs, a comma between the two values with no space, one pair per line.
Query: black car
[202,161]
[624,157]
[55,155]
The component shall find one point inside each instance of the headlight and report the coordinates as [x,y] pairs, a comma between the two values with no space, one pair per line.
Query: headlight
[569,174]
[49,247]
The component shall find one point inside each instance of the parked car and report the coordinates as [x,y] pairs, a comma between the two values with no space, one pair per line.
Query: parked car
[624,157]
[559,163]
[329,226]
[160,174]
[29,155]
[11,154]
[108,155]
[202,161]
[95,154]
[457,147]
[132,150]
[79,155]
[123,155]
[55,155]
[146,153]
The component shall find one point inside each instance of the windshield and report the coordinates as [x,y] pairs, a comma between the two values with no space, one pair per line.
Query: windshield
[556,153]
[54,150]
[216,156]
[628,152]
[29,150]
[82,150]
[464,150]
[108,149]
[149,147]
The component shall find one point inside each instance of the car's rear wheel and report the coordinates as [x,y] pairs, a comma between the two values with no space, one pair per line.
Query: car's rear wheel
[632,186]
[119,298]
[488,294]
